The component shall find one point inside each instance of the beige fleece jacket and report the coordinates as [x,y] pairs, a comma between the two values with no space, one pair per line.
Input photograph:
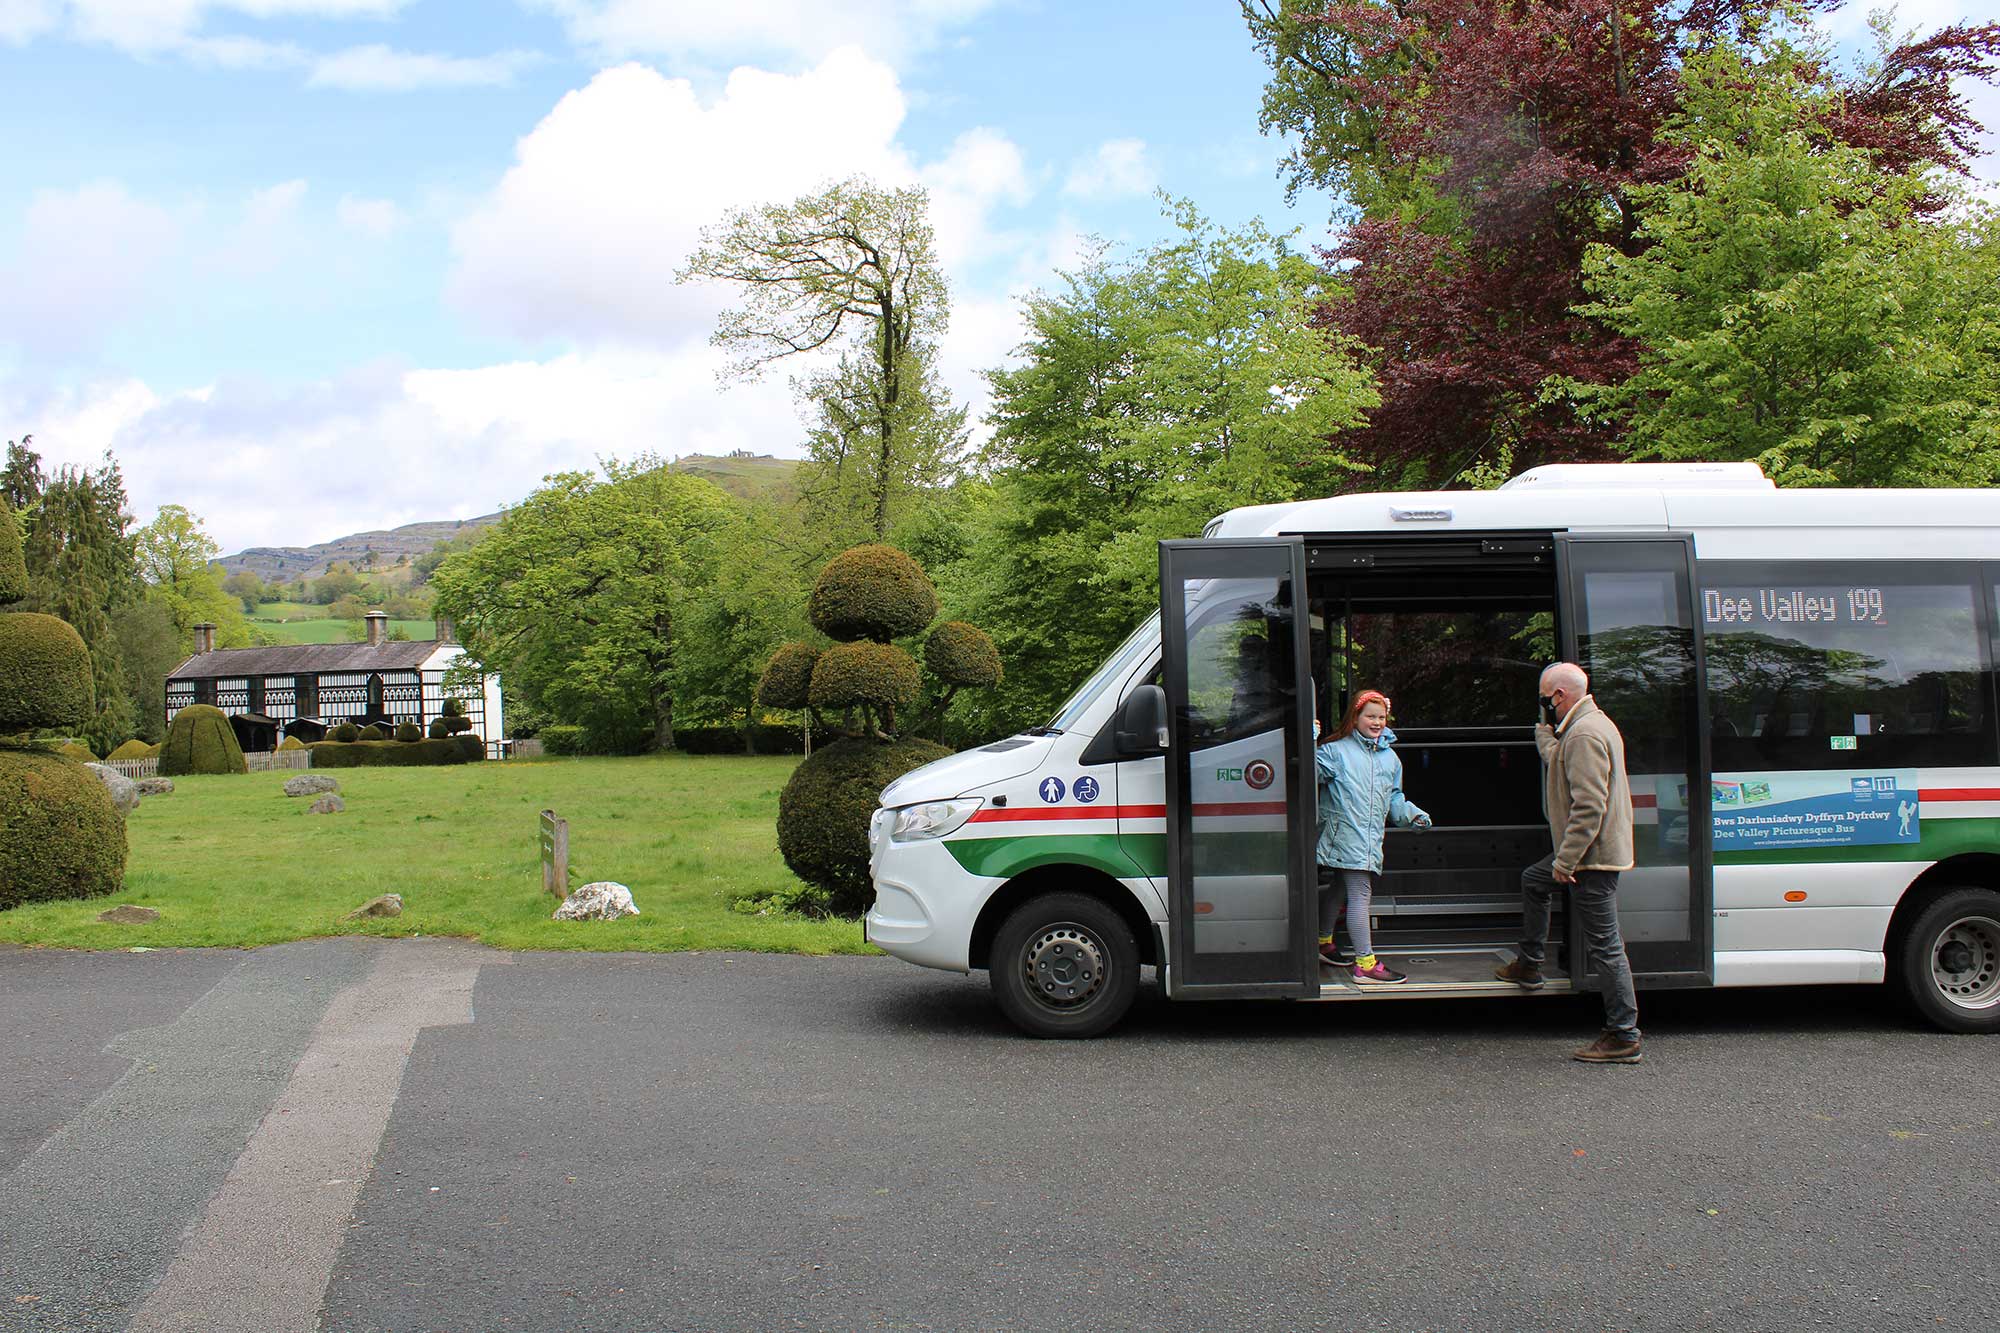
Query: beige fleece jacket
[1585,790]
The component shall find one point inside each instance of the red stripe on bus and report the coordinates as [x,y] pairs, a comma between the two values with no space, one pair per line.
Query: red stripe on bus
[1959,794]
[1123,811]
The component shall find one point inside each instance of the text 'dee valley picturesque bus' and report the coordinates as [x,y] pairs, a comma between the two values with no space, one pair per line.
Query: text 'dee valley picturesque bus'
[1805,681]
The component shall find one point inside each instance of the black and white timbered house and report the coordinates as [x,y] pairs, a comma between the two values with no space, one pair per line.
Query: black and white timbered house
[306,689]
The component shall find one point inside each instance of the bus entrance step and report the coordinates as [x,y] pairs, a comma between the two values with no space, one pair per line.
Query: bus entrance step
[1438,972]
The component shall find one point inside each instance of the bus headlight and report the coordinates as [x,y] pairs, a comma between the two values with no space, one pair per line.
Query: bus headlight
[933,819]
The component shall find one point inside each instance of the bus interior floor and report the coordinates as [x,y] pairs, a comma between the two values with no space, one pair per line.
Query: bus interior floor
[1463,971]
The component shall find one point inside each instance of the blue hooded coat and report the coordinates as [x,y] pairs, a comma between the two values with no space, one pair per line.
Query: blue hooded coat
[1360,795]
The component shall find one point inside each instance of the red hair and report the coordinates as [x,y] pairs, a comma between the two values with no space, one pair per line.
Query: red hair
[1361,701]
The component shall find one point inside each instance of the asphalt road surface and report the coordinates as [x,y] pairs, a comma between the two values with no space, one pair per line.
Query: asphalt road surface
[409,1136]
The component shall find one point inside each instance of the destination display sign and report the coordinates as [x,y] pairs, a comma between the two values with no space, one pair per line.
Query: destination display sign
[1844,605]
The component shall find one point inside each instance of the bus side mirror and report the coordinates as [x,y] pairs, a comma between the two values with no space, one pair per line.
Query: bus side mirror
[1141,727]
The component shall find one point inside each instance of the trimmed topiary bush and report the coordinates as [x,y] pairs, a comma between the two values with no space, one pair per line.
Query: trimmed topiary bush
[346,733]
[871,592]
[962,655]
[44,673]
[824,811]
[787,678]
[437,729]
[879,675]
[373,732]
[397,754]
[291,743]
[60,835]
[456,724]
[409,732]
[80,753]
[134,749]
[200,740]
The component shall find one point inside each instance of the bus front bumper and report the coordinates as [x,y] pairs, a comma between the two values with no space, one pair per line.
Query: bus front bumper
[925,903]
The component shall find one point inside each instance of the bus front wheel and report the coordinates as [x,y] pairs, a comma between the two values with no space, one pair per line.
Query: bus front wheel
[1949,962]
[1064,965]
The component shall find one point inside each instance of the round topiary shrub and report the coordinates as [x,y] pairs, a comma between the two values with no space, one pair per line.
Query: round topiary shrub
[346,733]
[44,673]
[824,811]
[455,724]
[80,753]
[787,678]
[438,730]
[60,835]
[871,592]
[409,732]
[373,732]
[134,749]
[291,743]
[962,654]
[878,674]
[200,740]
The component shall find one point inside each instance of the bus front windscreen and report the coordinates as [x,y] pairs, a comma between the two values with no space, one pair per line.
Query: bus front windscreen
[1141,640]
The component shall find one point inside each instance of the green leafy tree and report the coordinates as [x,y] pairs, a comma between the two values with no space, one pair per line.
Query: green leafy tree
[1800,304]
[246,587]
[173,554]
[852,270]
[1155,394]
[575,597]
[339,581]
[732,624]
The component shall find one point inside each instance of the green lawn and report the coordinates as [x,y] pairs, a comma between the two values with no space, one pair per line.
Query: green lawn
[233,861]
[322,630]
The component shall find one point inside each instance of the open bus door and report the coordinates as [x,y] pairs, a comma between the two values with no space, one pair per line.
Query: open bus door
[1240,786]
[1630,621]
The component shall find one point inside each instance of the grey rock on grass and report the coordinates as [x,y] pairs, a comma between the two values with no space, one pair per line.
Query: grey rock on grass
[124,791]
[309,784]
[326,805]
[602,900]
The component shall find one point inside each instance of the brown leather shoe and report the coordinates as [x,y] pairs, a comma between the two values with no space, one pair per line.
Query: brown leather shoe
[1609,1049]
[1526,975]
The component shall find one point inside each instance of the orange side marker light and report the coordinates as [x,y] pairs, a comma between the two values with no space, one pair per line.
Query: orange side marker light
[1796,896]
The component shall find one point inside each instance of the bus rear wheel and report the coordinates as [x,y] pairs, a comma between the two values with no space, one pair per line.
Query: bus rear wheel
[1949,962]
[1064,965]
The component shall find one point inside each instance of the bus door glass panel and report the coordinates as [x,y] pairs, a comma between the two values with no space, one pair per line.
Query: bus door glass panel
[1632,627]
[1239,777]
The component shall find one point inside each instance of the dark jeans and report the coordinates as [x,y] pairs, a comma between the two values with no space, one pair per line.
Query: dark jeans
[1594,898]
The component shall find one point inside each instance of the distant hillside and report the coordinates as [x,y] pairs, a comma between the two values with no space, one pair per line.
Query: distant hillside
[751,476]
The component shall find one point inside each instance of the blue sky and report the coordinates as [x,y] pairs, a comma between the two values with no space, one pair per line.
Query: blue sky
[312,266]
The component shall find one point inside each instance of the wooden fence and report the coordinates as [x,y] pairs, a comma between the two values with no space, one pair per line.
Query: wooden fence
[256,763]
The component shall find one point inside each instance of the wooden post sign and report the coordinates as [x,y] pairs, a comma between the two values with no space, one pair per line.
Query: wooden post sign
[555,854]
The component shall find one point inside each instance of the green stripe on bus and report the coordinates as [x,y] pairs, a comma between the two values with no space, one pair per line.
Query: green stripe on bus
[1941,838]
[1003,858]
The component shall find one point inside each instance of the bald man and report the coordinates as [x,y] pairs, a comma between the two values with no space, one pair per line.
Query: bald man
[1589,805]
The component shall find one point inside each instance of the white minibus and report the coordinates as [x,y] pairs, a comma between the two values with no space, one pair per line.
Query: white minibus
[1805,680]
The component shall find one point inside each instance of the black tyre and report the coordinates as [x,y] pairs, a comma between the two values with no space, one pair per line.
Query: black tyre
[1948,961]
[1065,965]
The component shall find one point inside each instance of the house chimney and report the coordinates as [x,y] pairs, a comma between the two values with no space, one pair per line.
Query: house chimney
[378,623]
[447,632]
[204,638]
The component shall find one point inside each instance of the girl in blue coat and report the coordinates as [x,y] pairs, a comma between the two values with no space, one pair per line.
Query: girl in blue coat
[1360,795]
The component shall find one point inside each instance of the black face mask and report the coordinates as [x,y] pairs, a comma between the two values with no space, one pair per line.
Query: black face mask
[1549,710]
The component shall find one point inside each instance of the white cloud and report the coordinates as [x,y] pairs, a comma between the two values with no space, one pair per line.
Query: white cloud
[380,69]
[795,30]
[21,20]
[85,257]
[382,445]
[371,217]
[608,195]
[1119,167]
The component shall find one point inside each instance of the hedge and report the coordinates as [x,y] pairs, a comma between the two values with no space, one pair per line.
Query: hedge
[880,674]
[137,749]
[871,592]
[44,673]
[824,810]
[200,740]
[560,738]
[787,678]
[396,754]
[80,753]
[60,835]
[708,740]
